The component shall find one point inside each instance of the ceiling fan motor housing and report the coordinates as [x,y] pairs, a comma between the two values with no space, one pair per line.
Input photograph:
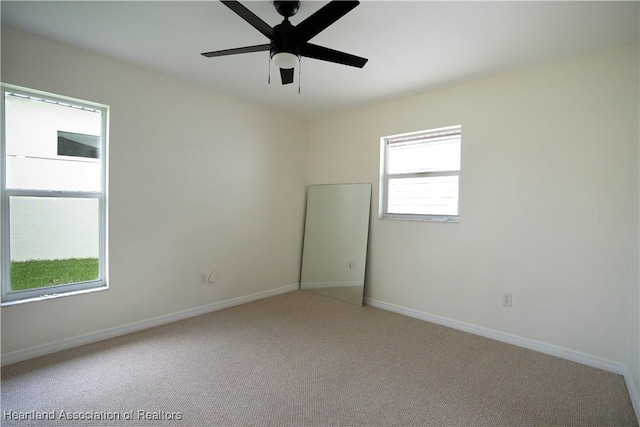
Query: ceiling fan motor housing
[281,42]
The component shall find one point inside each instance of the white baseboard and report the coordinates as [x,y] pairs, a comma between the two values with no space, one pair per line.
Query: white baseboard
[634,395]
[67,343]
[553,350]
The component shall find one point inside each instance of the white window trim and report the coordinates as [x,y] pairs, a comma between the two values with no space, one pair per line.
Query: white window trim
[385,177]
[18,297]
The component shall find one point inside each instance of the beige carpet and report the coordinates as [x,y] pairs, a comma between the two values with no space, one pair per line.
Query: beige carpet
[303,359]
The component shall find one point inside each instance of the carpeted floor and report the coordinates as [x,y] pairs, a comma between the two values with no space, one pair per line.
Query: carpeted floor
[303,359]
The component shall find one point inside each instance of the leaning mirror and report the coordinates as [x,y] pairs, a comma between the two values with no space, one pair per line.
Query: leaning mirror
[335,240]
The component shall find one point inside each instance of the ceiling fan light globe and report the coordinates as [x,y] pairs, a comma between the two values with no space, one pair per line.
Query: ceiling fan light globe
[285,60]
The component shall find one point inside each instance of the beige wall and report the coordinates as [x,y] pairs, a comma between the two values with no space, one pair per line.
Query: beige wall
[633,343]
[198,181]
[548,202]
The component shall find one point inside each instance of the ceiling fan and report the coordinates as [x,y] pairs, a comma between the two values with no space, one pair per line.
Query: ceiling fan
[289,42]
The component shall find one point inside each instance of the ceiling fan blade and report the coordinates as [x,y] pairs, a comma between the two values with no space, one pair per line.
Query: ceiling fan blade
[286,74]
[250,17]
[325,54]
[320,20]
[248,49]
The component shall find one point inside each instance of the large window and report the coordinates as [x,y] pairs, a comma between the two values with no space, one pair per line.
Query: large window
[419,175]
[54,230]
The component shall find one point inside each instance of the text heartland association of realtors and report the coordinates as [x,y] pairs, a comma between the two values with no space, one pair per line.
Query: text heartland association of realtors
[92,415]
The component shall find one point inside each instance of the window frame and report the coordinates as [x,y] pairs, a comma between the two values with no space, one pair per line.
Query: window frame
[9,297]
[385,176]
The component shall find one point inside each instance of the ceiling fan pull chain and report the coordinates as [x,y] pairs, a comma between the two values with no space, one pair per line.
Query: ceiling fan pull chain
[299,73]
[269,78]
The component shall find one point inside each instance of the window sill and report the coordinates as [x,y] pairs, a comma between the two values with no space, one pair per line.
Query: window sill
[419,218]
[53,296]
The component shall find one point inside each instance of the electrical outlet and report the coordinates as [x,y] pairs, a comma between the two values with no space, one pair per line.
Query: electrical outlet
[506,300]
[213,276]
[208,278]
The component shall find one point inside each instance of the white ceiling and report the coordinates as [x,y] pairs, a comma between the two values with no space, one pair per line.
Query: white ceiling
[412,46]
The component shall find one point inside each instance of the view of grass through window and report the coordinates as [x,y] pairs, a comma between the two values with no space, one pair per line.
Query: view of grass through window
[34,274]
